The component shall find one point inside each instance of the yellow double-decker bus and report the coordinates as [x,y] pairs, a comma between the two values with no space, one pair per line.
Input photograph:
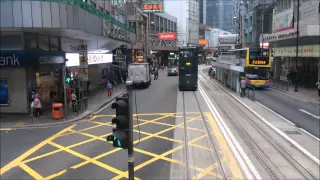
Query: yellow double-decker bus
[257,64]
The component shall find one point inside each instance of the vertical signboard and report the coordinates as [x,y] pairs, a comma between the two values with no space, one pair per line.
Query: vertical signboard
[4,92]
[83,64]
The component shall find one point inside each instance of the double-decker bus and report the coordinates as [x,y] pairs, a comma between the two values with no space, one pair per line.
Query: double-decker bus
[257,63]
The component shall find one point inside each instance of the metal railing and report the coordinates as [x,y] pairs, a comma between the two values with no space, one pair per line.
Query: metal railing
[250,93]
[279,84]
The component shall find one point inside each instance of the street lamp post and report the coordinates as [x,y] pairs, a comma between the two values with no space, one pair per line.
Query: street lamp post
[297,47]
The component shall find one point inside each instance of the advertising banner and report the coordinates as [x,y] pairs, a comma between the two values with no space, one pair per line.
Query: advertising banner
[99,58]
[153,7]
[167,36]
[283,21]
[83,65]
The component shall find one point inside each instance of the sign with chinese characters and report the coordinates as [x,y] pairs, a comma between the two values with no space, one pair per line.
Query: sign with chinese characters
[83,65]
[167,36]
[304,51]
[153,7]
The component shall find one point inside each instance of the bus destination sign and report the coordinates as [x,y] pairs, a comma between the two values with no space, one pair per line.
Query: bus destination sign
[259,62]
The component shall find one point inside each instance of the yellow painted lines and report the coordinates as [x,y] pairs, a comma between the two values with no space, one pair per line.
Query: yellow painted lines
[32,173]
[32,150]
[21,161]
[224,148]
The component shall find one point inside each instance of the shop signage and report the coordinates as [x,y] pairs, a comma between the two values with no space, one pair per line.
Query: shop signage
[154,7]
[51,60]
[167,36]
[99,58]
[283,21]
[83,65]
[26,58]
[202,41]
[304,51]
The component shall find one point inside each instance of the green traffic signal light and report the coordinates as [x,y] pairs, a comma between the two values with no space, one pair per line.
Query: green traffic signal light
[68,80]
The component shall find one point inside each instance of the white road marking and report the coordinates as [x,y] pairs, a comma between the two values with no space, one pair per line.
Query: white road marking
[309,134]
[298,146]
[276,114]
[304,111]
[233,143]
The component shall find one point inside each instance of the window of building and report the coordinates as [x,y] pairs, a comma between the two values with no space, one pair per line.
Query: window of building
[4,98]
[93,4]
[54,44]
[43,42]
[11,41]
[30,41]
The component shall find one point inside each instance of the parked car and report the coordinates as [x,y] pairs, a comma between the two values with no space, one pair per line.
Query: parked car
[172,71]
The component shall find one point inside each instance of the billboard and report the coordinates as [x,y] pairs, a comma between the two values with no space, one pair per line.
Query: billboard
[167,36]
[283,21]
[153,7]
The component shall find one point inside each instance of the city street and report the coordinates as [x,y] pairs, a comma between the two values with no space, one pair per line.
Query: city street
[303,114]
[180,135]
[81,150]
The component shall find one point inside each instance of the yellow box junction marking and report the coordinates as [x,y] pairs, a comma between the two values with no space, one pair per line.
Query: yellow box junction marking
[20,161]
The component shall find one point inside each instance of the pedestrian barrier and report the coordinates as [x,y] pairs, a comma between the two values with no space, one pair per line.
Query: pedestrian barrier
[279,84]
[250,93]
[57,111]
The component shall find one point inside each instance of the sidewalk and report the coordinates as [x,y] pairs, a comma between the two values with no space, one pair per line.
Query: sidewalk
[96,99]
[303,94]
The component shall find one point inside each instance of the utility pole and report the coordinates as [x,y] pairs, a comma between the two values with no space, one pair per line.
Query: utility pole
[262,22]
[297,46]
[130,148]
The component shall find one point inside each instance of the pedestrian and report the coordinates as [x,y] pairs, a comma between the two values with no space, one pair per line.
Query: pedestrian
[31,101]
[109,86]
[156,75]
[318,84]
[37,105]
[74,101]
[243,86]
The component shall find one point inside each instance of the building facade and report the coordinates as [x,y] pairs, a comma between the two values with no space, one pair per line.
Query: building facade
[187,14]
[283,41]
[255,19]
[37,35]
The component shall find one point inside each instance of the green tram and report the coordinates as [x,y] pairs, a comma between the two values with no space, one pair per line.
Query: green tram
[188,69]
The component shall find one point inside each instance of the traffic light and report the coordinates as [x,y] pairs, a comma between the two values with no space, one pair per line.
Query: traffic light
[120,134]
[68,76]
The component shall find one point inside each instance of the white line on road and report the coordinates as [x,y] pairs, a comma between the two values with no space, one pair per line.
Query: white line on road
[304,111]
[298,146]
[233,143]
[309,134]
[277,114]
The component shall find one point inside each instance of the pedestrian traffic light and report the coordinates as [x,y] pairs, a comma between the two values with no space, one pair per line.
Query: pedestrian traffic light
[120,134]
[68,76]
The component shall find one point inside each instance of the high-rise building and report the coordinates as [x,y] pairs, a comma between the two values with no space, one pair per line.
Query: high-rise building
[220,14]
[187,14]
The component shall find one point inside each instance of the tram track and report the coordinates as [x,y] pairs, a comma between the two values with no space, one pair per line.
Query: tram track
[268,162]
[215,157]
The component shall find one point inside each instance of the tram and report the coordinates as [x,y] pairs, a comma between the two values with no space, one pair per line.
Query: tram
[188,68]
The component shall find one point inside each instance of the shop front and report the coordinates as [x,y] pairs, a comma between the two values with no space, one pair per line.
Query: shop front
[23,71]
[306,67]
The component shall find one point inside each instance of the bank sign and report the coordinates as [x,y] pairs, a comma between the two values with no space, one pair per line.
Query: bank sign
[26,58]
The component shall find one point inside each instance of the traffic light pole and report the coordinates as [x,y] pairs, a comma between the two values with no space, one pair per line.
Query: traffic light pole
[130,148]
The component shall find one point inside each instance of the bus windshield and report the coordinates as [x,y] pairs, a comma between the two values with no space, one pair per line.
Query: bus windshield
[258,54]
[257,73]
